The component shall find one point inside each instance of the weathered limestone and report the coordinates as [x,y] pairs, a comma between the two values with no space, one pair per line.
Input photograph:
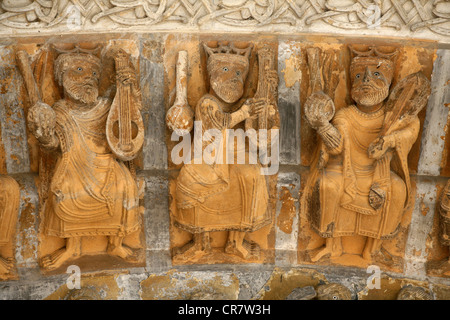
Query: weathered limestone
[415,264]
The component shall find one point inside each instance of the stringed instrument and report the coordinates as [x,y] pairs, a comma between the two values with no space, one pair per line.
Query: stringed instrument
[124,126]
[263,92]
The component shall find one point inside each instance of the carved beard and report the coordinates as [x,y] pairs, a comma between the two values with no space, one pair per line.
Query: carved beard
[229,91]
[373,97]
[85,92]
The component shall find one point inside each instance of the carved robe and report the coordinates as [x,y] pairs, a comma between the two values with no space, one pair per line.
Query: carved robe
[9,206]
[220,196]
[91,193]
[338,195]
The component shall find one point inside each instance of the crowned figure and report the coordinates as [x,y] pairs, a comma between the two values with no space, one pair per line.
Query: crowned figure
[92,192]
[216,195]
[359,184]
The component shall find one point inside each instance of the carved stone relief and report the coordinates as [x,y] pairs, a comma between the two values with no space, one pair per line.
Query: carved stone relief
[9,210]
[370,16]
[89,189]
[438,263]
[410,292]
[444,216]
[359,185]
[216,192]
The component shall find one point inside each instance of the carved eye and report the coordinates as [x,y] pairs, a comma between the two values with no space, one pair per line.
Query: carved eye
[80,69]
[225,69]
[94,73]
[376,73]
[358,76]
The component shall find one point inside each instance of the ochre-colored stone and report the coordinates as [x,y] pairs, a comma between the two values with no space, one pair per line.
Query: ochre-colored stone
[186,286]
[88,181]
[9,210]
[222,195]
[359,188]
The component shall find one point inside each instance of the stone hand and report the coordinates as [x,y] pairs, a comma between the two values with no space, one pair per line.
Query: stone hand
[380,146]
[126,76]
[319,110]
[42,122]
[253,107]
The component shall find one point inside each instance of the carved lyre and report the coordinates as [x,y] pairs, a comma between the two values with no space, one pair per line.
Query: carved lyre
[124,127]
[264,91]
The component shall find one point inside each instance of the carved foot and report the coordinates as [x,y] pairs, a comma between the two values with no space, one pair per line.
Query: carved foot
[123,252]
[57,259]
[324,252]
[248,250]
[6,265]
[190,249]
[333,248]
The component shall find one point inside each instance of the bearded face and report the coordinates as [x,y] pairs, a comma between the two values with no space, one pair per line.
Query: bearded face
[227,78]
[80,81]
[370,84]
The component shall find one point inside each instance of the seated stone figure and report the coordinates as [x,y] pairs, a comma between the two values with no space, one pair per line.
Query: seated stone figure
[360,185]
[9,207]
[218,196]
[91,193]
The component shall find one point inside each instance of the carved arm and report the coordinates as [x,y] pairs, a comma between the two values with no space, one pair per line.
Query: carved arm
[42,123]
[319,110]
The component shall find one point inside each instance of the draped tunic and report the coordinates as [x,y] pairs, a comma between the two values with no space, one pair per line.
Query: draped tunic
[91,192]
[338,195]
[9,208]
[217,196]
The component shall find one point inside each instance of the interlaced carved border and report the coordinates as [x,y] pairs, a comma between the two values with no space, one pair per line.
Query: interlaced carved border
[410,16]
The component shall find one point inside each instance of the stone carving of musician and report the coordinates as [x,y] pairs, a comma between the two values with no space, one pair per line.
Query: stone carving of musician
[91,193]
[218,196]
[359,184]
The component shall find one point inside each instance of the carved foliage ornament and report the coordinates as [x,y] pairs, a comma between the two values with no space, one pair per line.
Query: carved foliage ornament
[356,15]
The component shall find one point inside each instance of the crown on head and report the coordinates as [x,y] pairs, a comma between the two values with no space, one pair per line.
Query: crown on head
[373,52]
[77,49]
[65,59]
[383,60]
[229,49]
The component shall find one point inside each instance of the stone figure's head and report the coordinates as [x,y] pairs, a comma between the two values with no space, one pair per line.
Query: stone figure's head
[78,74]
[228,68]
[371,76]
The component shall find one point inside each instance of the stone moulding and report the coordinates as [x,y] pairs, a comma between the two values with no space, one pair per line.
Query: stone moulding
[406,18]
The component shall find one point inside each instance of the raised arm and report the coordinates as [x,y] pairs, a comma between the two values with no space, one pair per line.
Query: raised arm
[42,123]
[319,109]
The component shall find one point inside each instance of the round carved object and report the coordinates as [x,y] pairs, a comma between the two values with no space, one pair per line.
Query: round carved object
[319,109]
[180,118]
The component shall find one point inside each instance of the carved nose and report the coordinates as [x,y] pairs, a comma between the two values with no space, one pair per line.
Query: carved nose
[367,74]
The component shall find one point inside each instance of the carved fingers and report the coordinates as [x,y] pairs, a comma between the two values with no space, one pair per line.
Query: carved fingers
[380,146]
[319,110]
[127,76]
[253,107]
[42,122]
